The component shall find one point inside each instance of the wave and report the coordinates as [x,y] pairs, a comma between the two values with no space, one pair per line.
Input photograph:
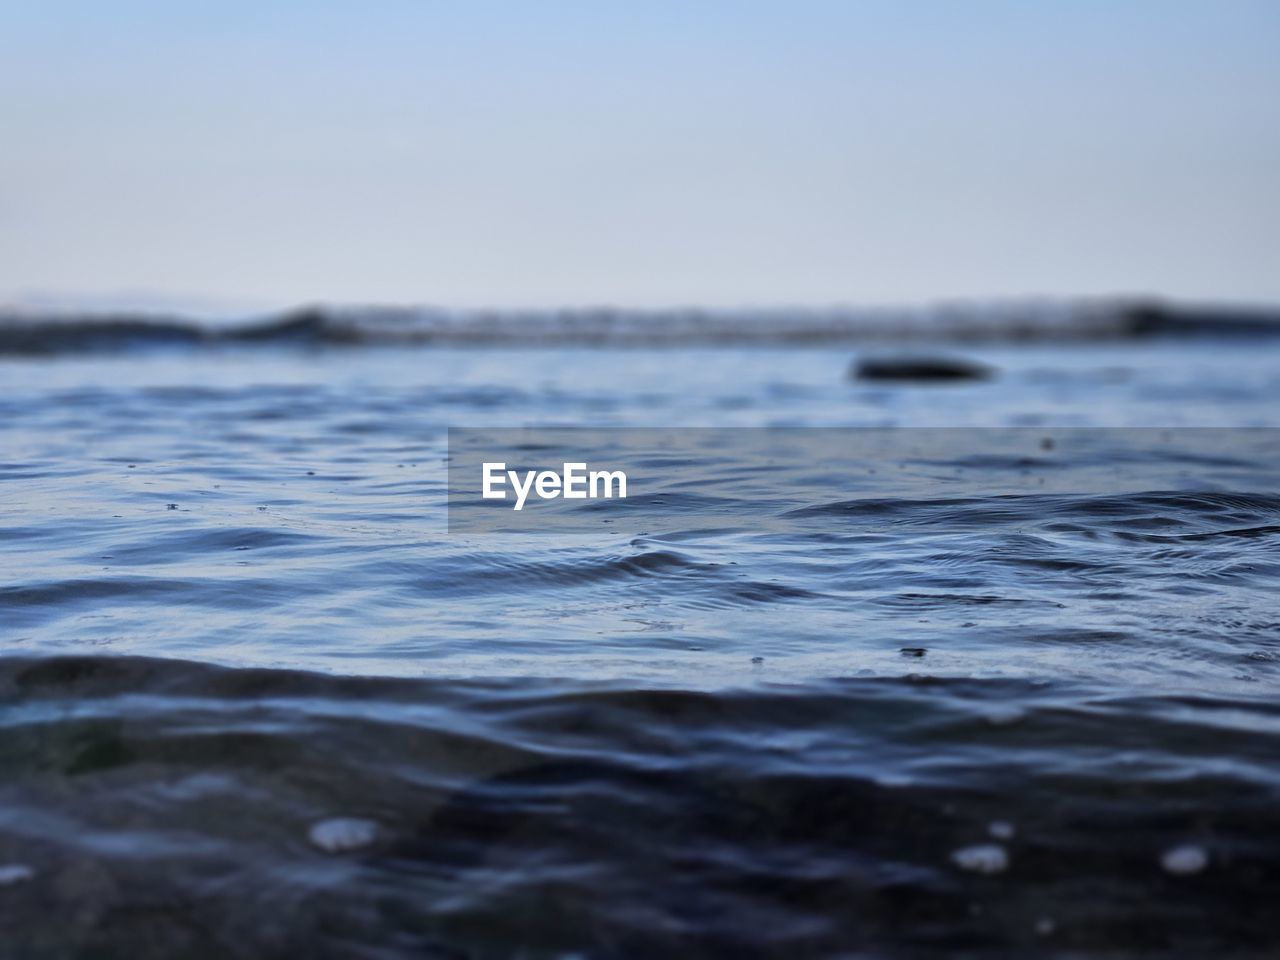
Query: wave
[39,333]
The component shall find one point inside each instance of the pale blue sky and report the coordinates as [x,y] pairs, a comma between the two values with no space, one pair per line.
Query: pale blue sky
[639,153]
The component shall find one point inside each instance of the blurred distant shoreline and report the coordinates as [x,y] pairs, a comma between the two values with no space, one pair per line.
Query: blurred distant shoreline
[45,331]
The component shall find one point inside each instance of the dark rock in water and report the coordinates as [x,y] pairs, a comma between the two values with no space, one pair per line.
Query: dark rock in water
[919,369]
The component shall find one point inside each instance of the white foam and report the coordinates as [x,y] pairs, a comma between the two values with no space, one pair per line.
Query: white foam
[982,858]
[1001,829]
[1185,860]
[1005,716]
[340,834]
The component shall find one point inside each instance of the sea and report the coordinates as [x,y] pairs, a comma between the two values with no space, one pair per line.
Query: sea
[989,668]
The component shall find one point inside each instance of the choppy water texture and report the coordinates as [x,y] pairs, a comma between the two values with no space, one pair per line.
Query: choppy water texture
[259,702]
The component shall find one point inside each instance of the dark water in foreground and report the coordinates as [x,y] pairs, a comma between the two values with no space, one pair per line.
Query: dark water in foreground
[257,701]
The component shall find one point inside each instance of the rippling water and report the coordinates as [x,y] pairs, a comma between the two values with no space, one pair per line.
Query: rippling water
[258,698]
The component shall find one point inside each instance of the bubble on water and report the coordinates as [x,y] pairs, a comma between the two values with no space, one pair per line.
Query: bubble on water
[1185,860]
[340,834]
[1001,829]
[11,873]
[982,858]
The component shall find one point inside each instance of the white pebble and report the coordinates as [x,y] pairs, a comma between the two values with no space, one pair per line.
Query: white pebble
[1001,829]
[983,858]
[341,834]
[11,873]
[1186,860]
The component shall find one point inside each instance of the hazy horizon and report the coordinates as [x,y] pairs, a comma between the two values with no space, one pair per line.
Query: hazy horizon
[257,157]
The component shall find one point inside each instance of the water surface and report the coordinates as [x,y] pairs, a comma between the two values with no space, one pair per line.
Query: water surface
[233,610]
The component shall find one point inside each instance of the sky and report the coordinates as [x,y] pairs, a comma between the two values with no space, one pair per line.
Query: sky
[486,153]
